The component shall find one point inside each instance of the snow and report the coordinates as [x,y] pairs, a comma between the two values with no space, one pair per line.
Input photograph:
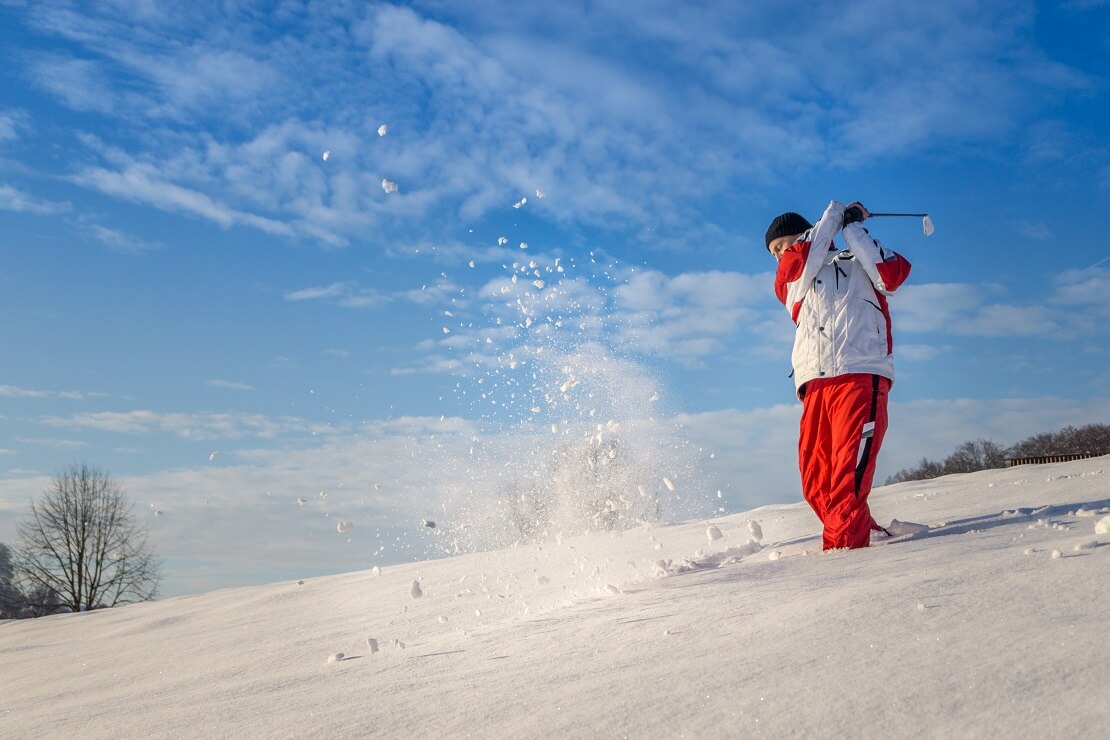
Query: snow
[326,155]
[383,130]
[978,627]
[1103,526]
[389,186]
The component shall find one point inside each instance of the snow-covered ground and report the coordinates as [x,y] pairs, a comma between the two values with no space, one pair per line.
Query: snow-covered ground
[993,624]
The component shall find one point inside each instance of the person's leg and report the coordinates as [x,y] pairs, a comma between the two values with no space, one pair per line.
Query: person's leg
[814,450]
[858,421]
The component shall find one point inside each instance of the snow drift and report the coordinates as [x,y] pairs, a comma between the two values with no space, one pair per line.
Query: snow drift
[991,623]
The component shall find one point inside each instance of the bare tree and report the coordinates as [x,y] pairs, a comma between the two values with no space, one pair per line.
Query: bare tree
[82,543]
[11,600]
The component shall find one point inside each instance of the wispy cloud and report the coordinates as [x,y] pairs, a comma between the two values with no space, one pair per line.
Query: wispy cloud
[11,121]
[11,391]
[118,241]
[493,100]
[346,294]
[230,385]
[20,202]
[197,426]
[53,442]
[1038,230]
[142,183]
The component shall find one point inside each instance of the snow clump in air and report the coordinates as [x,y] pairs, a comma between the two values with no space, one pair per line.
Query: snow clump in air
[1103,525]
[415,591]
[389,186]
[343,527]
[755,530]
[383,130]
[713,533]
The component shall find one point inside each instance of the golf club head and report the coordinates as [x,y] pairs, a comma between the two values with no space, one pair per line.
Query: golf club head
[927,225]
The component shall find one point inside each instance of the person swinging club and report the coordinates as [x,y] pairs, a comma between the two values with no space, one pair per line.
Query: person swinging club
[843,361]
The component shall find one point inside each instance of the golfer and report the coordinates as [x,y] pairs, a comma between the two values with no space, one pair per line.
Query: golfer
[843,359]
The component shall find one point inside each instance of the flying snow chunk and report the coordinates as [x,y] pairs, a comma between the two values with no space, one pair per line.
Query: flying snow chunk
[756,530]
[327,155]
[1103,525]
[520,202]
[669,484]
[713,533]
[471,264]
[524,245]
[502,241]
[389,186]
[541,194]
[301,501]
[774,555]
[427,523]
[375,571]
[415,590]
[335,657]
[343,527]
[383,130]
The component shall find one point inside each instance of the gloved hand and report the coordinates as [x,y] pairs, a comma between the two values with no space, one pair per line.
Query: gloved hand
[855,213]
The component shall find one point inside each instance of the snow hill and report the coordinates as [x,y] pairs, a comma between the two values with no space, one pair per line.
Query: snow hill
[992,624]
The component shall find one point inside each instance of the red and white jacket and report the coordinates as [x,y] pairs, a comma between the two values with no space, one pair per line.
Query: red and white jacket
[837,299]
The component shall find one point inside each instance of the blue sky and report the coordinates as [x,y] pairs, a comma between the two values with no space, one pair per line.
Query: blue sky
[196,300]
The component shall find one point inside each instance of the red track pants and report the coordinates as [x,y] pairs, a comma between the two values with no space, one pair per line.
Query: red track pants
[843,425]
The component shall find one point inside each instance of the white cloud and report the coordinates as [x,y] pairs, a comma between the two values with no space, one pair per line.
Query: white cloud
[20,202]
[79,83]
[195,426]
[1037,230]
[1004,320]
[11,391]
[483,108]
[118,241]
[963,309]
[346,294]
[11,121]
[230,385]
[921,352]
[56,443]
[144,184]
[310,294]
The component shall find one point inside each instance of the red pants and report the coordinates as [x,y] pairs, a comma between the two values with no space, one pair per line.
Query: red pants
[843,425]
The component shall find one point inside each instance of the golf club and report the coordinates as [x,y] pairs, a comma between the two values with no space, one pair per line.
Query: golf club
[926,222]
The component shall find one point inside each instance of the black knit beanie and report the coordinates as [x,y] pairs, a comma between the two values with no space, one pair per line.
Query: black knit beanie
[785,225]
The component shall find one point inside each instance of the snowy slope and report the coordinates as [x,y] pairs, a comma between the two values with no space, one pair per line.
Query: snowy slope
[973,630]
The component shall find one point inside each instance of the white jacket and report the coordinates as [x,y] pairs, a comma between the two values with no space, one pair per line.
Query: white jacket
[837,298]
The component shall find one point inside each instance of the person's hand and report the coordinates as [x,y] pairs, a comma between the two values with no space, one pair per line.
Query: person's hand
[855,212]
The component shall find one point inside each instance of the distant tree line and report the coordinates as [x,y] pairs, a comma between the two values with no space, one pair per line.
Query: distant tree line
[983,454]
[80,548]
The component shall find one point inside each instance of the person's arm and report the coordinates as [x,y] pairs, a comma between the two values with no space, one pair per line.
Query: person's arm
[802,261]
[886,268]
